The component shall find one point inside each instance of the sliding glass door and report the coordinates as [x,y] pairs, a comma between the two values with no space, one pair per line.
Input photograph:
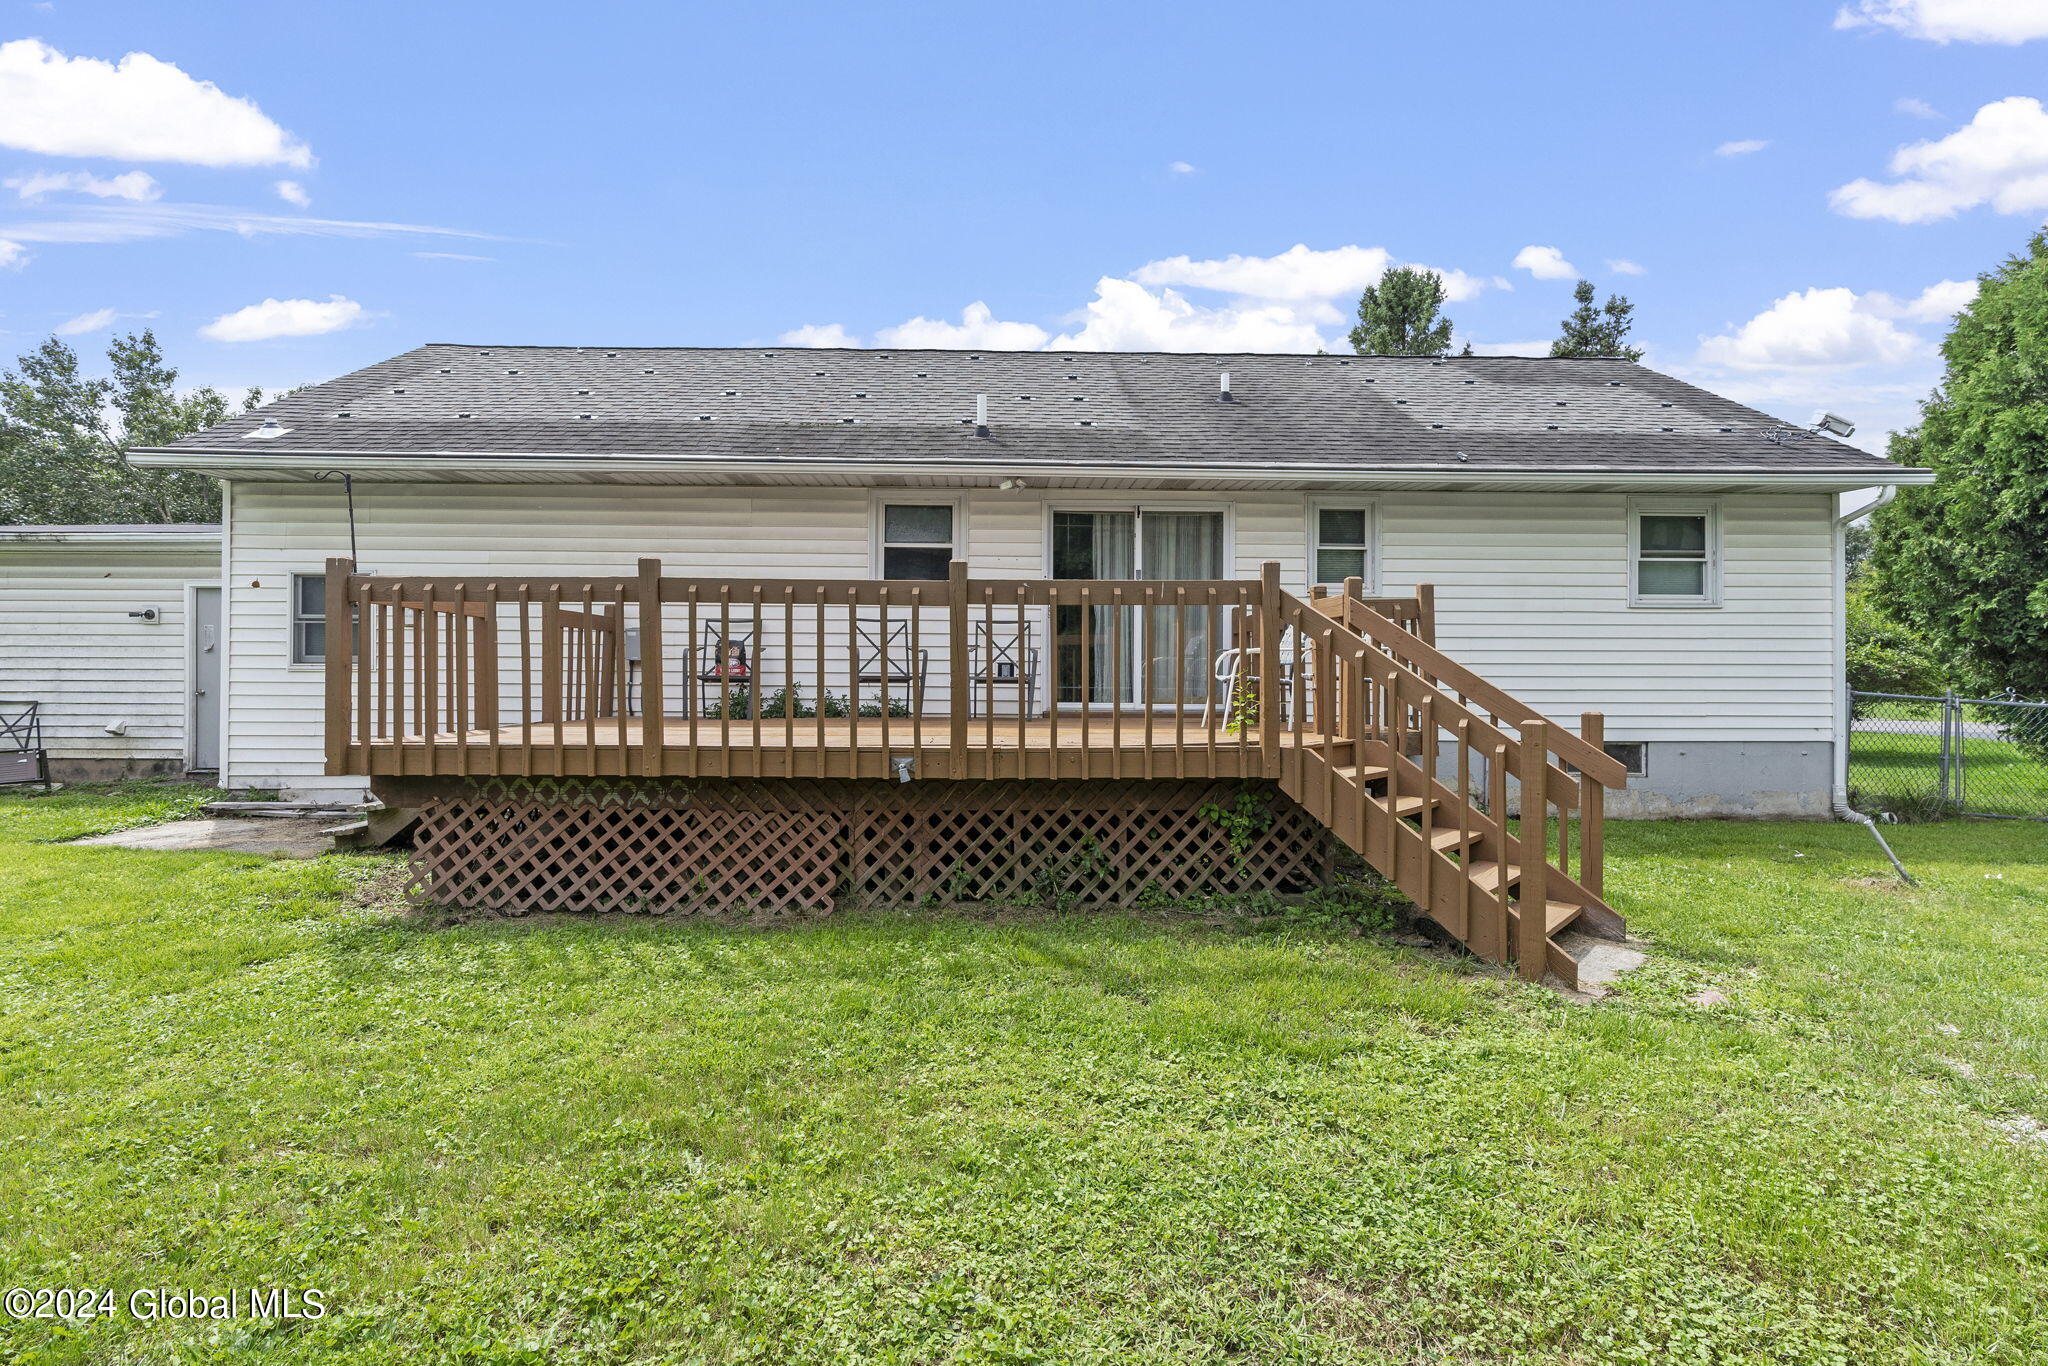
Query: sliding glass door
[1105,656]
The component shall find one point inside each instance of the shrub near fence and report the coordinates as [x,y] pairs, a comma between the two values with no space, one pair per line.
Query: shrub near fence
[1920,758]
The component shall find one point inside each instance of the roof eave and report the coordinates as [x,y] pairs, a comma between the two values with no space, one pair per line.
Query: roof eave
[233,464]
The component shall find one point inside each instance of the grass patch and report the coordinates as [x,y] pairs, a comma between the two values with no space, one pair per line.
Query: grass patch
[907,1138]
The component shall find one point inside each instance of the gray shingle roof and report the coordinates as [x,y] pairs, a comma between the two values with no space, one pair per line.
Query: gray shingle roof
[1118,409]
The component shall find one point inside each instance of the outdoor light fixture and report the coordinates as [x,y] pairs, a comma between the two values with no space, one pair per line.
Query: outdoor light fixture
[1011,484]
[1835,425]
[901,765]
[117,727]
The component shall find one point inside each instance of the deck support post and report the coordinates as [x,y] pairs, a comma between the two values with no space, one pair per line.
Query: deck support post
[1425,613]
[340,650]
[652,733]
[956,659]
[1532,937]
[1269,666]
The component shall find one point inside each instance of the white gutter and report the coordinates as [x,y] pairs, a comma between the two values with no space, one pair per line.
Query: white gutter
[993,470]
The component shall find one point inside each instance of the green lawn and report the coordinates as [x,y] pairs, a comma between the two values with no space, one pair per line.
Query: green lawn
[906,1138]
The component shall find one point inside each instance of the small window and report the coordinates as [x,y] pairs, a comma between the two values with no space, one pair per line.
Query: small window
[1674,558]
[1633,755]
[1343,548]
[917,540]
[309,618]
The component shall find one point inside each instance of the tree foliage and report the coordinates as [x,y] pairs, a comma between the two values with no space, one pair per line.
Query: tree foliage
[1399,315]
[63,433]
[1964,561]
[1601,331]
[1886,655]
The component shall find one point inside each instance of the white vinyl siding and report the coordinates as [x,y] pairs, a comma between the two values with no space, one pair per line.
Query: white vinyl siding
[67,641]
[1532,589]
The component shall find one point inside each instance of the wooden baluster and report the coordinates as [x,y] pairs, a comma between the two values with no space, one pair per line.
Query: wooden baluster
[1497,946]
[361,642]
[1426,723]
[1086,683]
[789,694]
[617,677]
[593,705]
[1592,810]
[721,669]
[1214,716]
[1146,686]
[1390,847]
[430,675]
[1017,649]
[554,684]
[525,678]
[484,640]
[958,687]
[653,734]
[1532,945]
[884,663]
[459,680]
[1361,705]
[1269,667]
[917,676]
[757,632]
[1464,882]
[1117,627]
[988,679]
[818,618]
[1180,680]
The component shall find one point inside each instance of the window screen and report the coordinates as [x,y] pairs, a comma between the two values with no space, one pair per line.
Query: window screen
[917,540]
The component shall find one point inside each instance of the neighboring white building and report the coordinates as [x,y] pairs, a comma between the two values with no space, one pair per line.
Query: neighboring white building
[1601,537]
[115,632]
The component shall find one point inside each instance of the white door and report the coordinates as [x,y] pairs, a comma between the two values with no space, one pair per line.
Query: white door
[205,682]
[1114,656]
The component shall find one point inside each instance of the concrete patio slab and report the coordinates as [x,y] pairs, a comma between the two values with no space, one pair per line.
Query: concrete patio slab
[282,838]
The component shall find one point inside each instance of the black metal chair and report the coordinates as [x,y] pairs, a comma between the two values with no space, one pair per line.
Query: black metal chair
[885,657]
[1002,659]
[22,757]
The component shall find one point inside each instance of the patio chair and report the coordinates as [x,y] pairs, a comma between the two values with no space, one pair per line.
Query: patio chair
[1242,662]
[22,757]
[885,657]
[1002,659]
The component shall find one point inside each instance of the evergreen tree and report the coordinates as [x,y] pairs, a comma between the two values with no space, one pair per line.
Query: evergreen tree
[62,435]
[1398,316]
[1964,561]
[1601,331]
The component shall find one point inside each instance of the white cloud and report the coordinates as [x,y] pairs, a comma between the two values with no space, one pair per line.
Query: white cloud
[293,193]
[450,256]
[1126,316]
[1181,167]
[1300,274]
[1935,304]
[1511,348]
[140,109]
[1621,265]
[285,318]
[87,322]
[1814,328]
[2000,158]
[139,186]
[819,334]
[1919,109]
[1545,263]
[111,222]
[1741,147]
[12,255]
[1951,21]
[977,327]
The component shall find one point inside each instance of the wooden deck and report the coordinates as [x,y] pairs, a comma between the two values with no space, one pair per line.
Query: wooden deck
[1430,772]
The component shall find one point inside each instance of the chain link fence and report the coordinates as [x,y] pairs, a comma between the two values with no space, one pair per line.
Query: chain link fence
[1921,758]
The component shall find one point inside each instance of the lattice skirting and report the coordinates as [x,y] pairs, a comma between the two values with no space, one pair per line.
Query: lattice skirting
[802,847]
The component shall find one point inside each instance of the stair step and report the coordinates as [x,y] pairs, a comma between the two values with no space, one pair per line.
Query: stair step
[1486,875]
[1409,806]
[1368,773]
[1447,841]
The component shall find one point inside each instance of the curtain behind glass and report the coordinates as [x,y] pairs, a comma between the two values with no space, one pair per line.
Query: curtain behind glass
[1180,545]
[1091,545]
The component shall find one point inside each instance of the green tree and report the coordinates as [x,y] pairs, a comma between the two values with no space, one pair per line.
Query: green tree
[1399,315]
[62,435]
[1885,655]
[1964,561]
[1601,331]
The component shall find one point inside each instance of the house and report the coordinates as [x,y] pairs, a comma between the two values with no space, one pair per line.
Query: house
[113,632]
[800,567]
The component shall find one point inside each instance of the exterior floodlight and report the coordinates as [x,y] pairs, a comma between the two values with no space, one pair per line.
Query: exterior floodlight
[1835,425]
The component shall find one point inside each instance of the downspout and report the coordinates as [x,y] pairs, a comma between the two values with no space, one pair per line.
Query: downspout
[1844,811]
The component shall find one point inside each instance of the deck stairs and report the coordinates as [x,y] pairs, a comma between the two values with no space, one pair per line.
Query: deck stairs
[1435,777]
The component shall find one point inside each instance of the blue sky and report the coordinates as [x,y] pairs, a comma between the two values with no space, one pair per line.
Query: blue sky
[1127,175]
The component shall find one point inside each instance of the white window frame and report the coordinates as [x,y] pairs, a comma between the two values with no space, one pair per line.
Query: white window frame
[1710,509]
[292,620]
[1371,508]
[877,515]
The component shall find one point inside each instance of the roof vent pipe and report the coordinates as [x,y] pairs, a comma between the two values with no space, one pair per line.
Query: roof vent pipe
[981,414]
[1223,387]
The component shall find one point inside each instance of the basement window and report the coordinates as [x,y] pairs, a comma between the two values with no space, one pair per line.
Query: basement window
[916,540]
[1633,755]
[1342,543]
[1674,554]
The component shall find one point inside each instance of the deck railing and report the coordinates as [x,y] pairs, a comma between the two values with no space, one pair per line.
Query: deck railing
[650,675]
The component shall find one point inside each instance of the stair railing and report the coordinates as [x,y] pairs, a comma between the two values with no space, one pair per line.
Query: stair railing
[1458,754]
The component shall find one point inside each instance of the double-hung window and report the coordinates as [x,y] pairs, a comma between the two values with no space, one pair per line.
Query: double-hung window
[918,540]
[309,618]
[1343,544]
[1674,555]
